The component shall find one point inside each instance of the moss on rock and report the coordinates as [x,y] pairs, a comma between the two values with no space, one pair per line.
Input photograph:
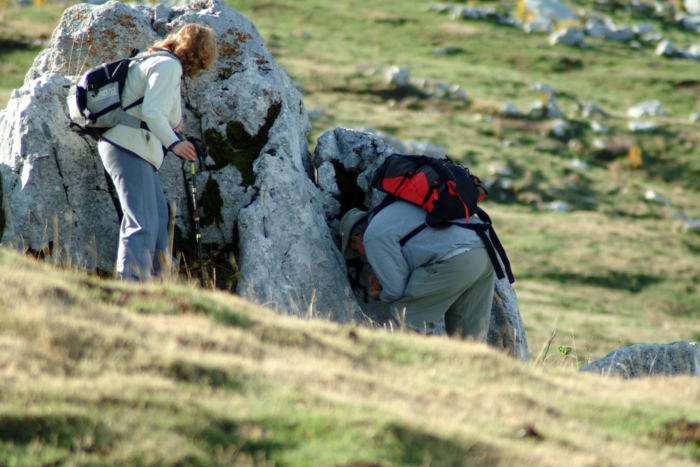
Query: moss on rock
[212,203]
[239,148]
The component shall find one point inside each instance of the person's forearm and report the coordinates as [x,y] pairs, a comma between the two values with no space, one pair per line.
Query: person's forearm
[389,266]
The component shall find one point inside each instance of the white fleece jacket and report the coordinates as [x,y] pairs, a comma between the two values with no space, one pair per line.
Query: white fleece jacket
[157,79]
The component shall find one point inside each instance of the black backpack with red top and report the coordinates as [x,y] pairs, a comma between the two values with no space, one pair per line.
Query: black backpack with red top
[447,192]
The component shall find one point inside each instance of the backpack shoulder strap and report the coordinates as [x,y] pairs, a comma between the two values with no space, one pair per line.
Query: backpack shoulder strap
[127,119]
[493,245]
[388,199]
[412,234]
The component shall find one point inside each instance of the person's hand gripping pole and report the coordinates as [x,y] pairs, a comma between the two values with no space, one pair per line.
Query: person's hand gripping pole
[187,149]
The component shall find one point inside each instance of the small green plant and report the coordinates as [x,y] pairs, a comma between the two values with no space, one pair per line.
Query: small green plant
[565,350]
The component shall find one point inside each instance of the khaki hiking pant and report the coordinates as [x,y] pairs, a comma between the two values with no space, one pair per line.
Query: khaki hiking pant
[459,288]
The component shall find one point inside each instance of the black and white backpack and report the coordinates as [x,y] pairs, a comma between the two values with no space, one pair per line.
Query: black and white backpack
[95,101]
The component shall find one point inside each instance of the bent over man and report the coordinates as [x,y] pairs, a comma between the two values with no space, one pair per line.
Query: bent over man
[438,272]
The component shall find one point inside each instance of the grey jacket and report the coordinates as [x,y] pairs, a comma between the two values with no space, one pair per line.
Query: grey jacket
[393,264]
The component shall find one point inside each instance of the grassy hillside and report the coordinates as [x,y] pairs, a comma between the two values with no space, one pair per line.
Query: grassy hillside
[98,372]
[101,373]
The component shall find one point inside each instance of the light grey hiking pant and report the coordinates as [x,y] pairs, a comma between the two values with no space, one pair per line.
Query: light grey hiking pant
[143,235]
[459,288]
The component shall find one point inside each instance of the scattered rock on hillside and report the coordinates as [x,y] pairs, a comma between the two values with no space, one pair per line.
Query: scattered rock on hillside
[568,36]
[590,109]
[691,226]
[637,126]
[691,23]
[643,31]
[557,206]
[598,128]
[543,88]
[606,29]
[494,14]
[646,109]
[678,358]
[546,14]
[510,110]
[408,147]
[398,76]
[559,129]
[401,77]
[666,49]
[692,53]
[550,109]
[350,157]
[257,197]
[692,6]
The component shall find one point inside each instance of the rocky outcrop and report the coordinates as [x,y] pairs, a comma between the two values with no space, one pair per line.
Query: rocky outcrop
[257,197]
[678,358]
[263,198]
[345,161]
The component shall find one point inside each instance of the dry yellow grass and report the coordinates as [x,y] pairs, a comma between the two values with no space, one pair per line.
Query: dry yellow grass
[149,366]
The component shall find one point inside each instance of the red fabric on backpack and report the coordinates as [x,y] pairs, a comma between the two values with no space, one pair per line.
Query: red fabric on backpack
[414,189]
[445,190]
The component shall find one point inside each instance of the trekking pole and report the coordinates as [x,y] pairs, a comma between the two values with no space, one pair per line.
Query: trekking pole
[195,205]
[172,214]
[195,216]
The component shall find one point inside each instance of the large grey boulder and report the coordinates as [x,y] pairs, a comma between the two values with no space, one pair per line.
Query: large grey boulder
[677,358]
[345,161]
[56,197]
[257,197]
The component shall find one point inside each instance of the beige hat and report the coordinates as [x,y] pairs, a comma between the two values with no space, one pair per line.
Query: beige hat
[349,220]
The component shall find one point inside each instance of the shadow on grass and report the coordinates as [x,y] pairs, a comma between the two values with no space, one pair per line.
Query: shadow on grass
[189,372]
[62,430]
[402,445]
[671,170]
[9,45]
[416,447]
[384,93]
[252,439]
[613,280]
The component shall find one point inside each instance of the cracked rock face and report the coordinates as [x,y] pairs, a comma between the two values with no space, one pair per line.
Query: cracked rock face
[262,197]
[345,161]
[257,198]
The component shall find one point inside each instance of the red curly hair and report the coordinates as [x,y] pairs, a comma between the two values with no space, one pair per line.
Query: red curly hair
[195,46]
